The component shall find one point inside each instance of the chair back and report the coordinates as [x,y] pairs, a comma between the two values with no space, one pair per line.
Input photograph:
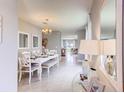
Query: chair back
[53,51]
[36,53]
[19,63]
[25,60]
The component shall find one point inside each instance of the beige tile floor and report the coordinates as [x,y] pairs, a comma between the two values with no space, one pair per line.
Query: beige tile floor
[60,79]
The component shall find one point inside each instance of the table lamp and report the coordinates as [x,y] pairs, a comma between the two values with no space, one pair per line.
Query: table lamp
[89,47]
[108,48]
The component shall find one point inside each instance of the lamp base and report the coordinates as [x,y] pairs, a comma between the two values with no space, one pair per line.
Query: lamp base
[93,69]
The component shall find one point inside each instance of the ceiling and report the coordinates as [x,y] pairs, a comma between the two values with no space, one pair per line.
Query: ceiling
[63,15]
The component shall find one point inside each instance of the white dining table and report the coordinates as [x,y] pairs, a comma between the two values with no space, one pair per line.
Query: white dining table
[42,60]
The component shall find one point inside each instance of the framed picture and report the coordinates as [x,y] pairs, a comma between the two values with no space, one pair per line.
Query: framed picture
[23,39]
[1,23]
[35,43]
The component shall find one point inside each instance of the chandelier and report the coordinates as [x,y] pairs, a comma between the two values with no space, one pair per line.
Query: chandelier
[46,29]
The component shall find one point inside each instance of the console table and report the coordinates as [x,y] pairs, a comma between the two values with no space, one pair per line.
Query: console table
[78,85]
[93,85]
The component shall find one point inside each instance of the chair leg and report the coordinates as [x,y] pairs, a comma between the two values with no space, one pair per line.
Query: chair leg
[39,72]
[32,73]
[20,76]
[30,77]
[48,71]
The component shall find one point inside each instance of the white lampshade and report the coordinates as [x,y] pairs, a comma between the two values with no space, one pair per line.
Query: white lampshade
[91,47]
[109,47]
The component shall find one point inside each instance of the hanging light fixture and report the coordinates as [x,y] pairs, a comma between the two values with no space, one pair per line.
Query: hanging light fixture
[46,29]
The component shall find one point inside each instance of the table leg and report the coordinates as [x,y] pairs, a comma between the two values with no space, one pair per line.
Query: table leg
[40,71]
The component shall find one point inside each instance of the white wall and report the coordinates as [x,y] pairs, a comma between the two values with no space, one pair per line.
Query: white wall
[81,36]
[54,41]
[31,30]
[119,46]
[95,18]
[8,48]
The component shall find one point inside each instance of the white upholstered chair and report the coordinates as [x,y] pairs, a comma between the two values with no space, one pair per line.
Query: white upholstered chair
[25,65]
[53,51]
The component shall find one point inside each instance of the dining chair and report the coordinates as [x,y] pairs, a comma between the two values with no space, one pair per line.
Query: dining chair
[53,51]
[25,65]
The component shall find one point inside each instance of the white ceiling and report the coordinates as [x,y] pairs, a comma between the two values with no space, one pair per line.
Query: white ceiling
[63,15]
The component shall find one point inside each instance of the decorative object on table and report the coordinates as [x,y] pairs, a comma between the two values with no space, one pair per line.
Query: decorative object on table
[47,51]
[43,50]
[33,57]
[83,77]
[74,50]
[44,55]
[52,52]
[109,65]
[92,85]
[95,85]
[85,48]
[109,50]
[1,28]
[63,52]
[35,54]
[44,42]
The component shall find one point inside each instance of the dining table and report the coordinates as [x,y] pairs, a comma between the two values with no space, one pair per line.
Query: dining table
[40,60]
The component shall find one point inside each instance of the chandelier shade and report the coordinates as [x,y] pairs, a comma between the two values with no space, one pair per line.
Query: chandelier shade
[46,30]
